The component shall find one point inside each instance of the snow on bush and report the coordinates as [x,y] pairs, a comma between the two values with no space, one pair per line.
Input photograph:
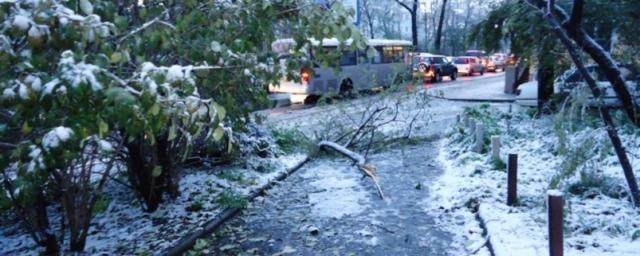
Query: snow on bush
[599,217]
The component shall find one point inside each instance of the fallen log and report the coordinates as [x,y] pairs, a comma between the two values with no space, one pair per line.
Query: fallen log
[360,161]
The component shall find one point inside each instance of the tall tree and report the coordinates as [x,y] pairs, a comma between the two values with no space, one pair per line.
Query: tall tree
[368,10]
[412,8]
[438,41]
[573,37]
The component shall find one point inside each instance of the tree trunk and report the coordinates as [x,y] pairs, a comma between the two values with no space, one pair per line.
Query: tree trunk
[545,76]
[151,187]
[438,43]
[414,28]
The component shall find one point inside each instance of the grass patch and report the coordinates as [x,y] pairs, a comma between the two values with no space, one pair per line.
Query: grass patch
[101,205]
[592,184]
[265,168]
[195,207]
[231,176]
[290,140]
[499,165]
[231,199]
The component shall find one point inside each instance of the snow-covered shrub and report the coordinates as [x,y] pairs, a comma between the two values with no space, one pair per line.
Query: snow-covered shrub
[88,87]
[69,112]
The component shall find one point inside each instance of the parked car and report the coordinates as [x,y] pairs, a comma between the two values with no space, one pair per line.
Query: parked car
[468,65]
[497,61]
[481,55]
[572,83]
[433,67]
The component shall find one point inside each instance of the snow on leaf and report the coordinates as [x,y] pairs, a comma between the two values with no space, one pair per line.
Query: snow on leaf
[216,47]
[86,6]
[105,146]
[8,94]
[23,92]
[21,22]
[53,138]
[36,159]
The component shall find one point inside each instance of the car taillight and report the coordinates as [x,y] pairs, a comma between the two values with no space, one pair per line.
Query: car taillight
[305,75]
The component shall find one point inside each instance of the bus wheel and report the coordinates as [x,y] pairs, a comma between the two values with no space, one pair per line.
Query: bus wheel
[311,99]
[346,88]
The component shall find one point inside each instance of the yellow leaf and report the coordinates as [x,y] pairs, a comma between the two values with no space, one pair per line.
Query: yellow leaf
[218,133]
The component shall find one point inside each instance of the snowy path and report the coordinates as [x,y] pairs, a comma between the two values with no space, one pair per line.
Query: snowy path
[326,208]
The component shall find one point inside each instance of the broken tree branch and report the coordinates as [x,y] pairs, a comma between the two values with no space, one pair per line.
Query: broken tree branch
[358,159]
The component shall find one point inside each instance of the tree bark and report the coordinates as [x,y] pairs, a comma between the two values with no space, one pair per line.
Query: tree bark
[574,52]
[438,43]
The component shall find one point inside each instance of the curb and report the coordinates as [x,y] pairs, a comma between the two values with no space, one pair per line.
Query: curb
[187,241]
[475,100]
[485,232]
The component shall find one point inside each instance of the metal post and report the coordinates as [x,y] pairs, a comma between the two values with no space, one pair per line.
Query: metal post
[472,125]
[479,137]
[555,205]
[512,180]
[495,147]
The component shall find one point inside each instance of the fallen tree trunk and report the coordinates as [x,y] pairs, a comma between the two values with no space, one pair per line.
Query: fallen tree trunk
[358,159]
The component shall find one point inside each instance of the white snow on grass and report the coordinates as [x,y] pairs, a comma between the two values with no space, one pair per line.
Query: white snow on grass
[125,229]
[339,191]
[597,222]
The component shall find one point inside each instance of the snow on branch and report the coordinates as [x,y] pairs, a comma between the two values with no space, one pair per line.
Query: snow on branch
[358,159]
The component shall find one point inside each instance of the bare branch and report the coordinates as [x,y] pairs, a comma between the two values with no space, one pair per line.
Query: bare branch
[404,5]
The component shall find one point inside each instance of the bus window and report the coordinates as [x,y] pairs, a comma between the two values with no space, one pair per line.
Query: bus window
[348,58]
[393,54]
[362,57]
[377,57]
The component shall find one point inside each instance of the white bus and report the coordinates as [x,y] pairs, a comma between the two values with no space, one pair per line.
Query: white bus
[357,71]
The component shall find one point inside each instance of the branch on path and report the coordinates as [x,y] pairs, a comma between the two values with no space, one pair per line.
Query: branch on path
[368,170]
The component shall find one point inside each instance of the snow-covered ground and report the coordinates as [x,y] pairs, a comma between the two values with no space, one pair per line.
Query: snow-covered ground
[125,229]
[599,217]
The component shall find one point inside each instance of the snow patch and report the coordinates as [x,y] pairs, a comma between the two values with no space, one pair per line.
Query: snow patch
[339,192]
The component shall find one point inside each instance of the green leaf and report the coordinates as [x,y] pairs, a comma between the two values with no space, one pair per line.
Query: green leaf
[103,128]
[218,133]
[154,110]
[220,111]
[172,132]
[157,170]
[200,244]
[116,57]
